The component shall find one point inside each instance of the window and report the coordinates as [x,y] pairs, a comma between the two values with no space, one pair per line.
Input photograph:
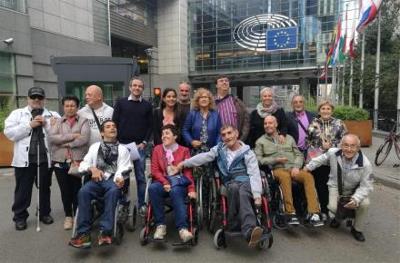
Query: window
[7,81]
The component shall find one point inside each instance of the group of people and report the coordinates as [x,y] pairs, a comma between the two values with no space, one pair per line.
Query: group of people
[209,128]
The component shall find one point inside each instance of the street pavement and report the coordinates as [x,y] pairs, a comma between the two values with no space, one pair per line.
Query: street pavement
[296,245]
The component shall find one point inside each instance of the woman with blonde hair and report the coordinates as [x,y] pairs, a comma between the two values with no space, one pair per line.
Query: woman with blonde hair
[201,129]
[324,132]
[266,107]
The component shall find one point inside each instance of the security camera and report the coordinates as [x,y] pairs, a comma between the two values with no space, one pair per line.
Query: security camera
[9,41]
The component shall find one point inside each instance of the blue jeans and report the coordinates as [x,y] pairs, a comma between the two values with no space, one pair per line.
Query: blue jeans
[93,191]
[140,166]
[178,196]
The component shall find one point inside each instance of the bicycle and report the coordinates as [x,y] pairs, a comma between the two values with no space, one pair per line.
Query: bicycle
[391,139]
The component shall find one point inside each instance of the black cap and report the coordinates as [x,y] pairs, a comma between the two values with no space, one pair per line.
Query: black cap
[36,91]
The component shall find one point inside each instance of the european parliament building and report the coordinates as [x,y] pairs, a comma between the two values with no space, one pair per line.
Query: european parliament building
[280,43]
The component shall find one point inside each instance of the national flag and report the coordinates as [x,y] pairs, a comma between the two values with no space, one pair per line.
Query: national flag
[338,44]
[281,38]
[352,52]
[368,12]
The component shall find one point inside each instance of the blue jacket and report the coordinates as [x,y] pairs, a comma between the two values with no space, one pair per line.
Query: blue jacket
[192,127]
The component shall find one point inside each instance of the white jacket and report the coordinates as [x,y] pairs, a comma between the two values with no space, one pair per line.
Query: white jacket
[103,113]
[17,129]
[90,160]
[358,181]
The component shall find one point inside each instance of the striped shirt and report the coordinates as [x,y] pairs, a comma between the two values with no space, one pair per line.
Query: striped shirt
[227,110]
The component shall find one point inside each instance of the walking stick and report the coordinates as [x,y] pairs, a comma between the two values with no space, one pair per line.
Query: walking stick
[38,190]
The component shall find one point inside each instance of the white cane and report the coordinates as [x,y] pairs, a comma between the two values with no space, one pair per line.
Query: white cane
[38,190]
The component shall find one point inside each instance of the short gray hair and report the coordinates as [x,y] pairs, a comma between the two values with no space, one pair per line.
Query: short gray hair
[265,89]
[352,135]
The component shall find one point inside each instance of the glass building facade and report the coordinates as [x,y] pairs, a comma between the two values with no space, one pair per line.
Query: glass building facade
[214,48]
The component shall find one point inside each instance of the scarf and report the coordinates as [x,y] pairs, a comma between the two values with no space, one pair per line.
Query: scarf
[169,150]
[107,157]
[264,112]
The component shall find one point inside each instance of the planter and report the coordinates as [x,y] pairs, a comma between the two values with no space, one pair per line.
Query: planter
[362,129]
[6,151]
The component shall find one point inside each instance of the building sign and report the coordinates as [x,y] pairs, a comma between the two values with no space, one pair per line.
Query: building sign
[266,32]
[281,38]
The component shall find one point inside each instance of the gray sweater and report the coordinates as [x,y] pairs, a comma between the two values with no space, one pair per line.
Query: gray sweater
[359,177]
[250,160]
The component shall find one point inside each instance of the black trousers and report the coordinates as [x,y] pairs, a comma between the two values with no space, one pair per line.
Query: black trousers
[69,188]
[24,179]
[321,177]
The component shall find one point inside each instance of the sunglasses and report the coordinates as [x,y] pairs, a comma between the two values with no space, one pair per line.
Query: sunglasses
[34,97]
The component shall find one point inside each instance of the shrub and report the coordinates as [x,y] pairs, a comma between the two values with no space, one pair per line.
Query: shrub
[350,113]
[4,112]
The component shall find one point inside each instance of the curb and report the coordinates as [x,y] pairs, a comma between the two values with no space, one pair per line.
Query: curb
[387,182]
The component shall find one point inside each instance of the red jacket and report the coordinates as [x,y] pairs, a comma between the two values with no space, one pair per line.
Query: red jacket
[159,165]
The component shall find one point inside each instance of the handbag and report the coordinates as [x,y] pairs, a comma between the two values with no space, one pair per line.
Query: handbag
[313,152]
[342,212]
[178,180]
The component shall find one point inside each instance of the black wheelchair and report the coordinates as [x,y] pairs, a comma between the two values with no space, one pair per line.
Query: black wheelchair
[125,211]
[278,214]
[218,214]
[147,232]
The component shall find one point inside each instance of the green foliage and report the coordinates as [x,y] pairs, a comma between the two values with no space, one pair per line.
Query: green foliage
[4,112]
[350,113]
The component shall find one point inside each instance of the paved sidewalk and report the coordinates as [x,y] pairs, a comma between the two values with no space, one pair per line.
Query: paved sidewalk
[385,174]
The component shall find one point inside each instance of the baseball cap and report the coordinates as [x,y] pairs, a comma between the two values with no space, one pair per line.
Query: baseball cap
[36,91]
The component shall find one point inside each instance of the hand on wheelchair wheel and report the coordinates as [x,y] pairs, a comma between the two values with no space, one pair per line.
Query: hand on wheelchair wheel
[192,195]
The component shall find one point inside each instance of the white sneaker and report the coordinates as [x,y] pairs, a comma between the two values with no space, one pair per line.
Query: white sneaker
[160,232]
[315,220]
[68,223]
[185,235]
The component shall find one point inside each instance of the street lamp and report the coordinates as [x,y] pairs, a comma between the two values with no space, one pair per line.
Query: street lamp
[149,53]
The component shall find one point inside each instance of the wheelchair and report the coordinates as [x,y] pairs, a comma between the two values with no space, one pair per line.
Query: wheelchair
[218,214]
[279,217]
[146,234]
[202,177]
[125,211]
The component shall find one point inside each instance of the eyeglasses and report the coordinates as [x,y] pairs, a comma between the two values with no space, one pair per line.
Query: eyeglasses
[350,146]
[34,97]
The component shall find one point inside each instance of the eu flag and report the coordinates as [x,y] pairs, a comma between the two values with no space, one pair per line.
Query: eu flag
[281,38]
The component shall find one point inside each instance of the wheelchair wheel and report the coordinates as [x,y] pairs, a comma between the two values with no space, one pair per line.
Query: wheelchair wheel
[219,239]
[144,240]
[279,221]
[131,223]
[199,203]
[195,237]
[119,234]
[212,208]
[270,241]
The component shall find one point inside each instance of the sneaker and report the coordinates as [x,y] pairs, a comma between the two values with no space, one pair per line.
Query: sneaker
[81,241]
[185,235]
[160,232]
[359,236]
[315,220]
[68,223]
[334,223]
[324,217]
[255,236]
[142,211]
[20,225]
[293,220]
[104,239]
[47,220]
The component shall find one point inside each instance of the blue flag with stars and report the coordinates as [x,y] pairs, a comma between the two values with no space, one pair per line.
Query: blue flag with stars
[281,38]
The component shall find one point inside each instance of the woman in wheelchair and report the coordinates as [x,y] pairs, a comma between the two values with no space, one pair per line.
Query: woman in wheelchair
[241,177]
[167,183]
[106,161]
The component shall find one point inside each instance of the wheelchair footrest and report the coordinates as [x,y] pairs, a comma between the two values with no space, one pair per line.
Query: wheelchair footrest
[182,244]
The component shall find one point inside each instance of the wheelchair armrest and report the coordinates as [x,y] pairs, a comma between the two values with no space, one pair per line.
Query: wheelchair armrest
[126,174]
[85,176]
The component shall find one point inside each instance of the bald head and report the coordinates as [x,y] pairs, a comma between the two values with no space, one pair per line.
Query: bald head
[270,125]
[94,96]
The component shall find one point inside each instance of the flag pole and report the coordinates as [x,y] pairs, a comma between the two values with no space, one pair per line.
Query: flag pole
[377,71]
[398,101]
[343,83]
[360,101]
[351,83]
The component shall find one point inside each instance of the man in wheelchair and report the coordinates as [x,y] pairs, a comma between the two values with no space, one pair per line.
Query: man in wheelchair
[350,183]
[106,161]
[241,176]
[286,161]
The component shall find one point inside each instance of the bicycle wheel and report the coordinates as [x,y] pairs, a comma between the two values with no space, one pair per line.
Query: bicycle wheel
[383,152]
[397,147]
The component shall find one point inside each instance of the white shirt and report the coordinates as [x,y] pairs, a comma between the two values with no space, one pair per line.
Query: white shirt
[103,113]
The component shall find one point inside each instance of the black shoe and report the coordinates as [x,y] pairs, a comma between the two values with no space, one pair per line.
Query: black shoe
[293,220]
[359,236]
[47,220]
[334,223]
[20,225]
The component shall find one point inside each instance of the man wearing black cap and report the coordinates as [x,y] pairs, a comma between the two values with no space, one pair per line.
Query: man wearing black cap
[27,127]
